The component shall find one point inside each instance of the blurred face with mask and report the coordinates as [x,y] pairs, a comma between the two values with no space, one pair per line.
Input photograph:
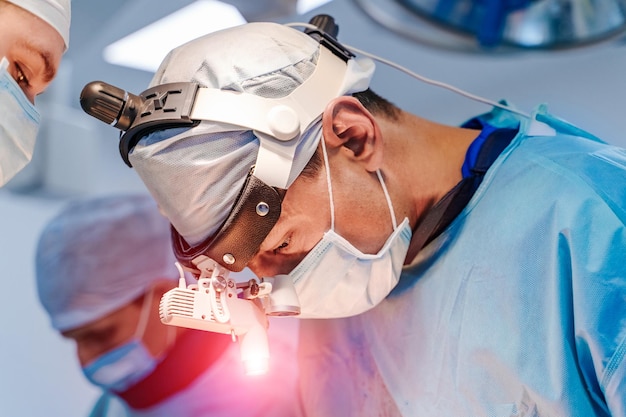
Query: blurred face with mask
[34,34]
[123,347]
[114,316]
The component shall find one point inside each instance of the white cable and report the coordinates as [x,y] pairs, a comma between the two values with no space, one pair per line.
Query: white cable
[392,213]
[330,186]
[420,77]
[182,282]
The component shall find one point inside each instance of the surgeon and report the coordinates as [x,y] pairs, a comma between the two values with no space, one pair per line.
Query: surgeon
[102,265]
[472,270]
[34,34]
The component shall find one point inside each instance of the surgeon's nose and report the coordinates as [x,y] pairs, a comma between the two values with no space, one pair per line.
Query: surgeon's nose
[84,354]
[259,265]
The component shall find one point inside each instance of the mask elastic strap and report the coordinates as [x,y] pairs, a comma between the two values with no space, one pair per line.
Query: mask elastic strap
[388,198]
[330,192]
[145,313]
[330,187]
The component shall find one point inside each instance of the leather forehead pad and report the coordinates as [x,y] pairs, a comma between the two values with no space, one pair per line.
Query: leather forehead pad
[245,229]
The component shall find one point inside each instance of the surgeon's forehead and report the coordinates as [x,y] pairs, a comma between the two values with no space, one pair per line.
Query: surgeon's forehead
[125,316]
[24,33]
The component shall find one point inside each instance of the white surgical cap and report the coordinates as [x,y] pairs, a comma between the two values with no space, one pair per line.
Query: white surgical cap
[57,13]
[195,174]
[98,255]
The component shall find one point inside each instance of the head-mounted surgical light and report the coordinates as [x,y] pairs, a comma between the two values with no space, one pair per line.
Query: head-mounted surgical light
[278,123]
[217,303]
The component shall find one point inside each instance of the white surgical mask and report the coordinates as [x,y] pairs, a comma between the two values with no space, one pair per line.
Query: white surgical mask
[19,123]
[121,368]
[336,279]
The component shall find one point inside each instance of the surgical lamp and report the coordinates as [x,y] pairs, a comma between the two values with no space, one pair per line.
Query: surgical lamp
[501,26]
[218,304]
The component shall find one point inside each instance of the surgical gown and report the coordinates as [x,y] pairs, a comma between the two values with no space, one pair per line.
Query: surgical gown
[517,309]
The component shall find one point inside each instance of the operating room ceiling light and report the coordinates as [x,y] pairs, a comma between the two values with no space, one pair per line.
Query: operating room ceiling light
[491,26]
[304,6]
[146,48]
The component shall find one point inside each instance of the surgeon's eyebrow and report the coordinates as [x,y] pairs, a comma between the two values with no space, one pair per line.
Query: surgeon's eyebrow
[48,71]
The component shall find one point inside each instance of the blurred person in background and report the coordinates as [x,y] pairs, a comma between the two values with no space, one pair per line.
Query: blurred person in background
[102,266]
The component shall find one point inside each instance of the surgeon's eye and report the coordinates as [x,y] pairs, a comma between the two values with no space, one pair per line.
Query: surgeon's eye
[21,79]
[281,247]
[100,336]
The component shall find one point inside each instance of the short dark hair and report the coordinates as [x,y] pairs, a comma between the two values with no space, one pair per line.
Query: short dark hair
[376,105]
[314,165]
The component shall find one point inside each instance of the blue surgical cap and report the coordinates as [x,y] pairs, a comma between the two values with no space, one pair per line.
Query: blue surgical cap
[98,255]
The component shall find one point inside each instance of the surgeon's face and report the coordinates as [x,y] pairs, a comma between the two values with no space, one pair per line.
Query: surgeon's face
[105,334]
[100,336]
[361,215]
[32,47]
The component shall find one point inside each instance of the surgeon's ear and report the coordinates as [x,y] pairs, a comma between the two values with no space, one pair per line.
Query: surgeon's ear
[346,123]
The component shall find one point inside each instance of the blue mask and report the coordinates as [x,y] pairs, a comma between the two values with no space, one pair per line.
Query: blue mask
[122,367]
[19,123]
